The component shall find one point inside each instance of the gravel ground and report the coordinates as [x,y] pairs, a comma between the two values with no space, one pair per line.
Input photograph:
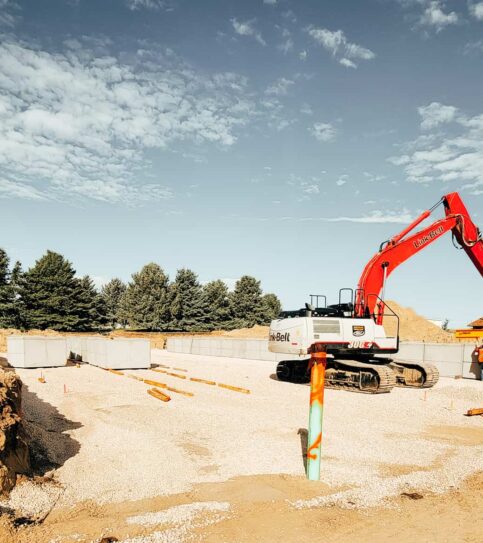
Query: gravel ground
[114,442]
[182,519]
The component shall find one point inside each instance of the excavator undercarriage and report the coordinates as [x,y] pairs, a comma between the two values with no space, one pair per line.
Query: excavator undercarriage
[373,377]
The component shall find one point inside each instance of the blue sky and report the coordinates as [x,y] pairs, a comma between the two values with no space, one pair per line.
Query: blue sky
[280,139]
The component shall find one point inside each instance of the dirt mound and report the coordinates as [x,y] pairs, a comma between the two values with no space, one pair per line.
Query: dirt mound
[414,327]
[14,454]
[257,331]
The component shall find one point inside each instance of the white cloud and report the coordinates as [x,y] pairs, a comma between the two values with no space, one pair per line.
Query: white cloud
[280,87]
[435,114]
[473,47]
[306,109]
[283,124]
[455,157]
[375,217]
[286,46]
[307,186]
[373,177]
[154,5]
[435,17]
[246,28]
[310,188]
[336,43]
[477,10]
[347,63]
[78,124]
[9,189]
[8,13]
[323,131]
[342,180]
[289,15]
[270,2]
[303,55]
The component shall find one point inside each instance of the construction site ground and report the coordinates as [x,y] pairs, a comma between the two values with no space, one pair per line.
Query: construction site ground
[223,465]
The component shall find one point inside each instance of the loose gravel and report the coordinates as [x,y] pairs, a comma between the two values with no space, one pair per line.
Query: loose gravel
[113,442]
[32,500]
[183,518]
[179,514]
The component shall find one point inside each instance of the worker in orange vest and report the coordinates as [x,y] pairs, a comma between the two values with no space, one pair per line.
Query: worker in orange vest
[479,358]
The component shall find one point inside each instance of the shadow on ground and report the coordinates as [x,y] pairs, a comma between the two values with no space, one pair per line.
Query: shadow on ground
[304,439]
[273,377]
[49,443]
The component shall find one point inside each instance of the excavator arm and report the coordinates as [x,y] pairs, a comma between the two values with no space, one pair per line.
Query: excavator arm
[403,246]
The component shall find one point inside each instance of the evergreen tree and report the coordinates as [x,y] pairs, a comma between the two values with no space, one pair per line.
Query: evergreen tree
[246,302]
[188,307]
[16,279]
[271,307]
[112,293]
[90,306]
[217,301]
[144,304]
[52,296]
[7,294]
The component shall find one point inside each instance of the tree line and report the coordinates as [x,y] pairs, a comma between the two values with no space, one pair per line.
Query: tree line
[51,295]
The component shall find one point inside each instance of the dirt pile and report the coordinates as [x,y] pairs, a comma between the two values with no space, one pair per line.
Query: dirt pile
[414,327]
[14,454]
[257,332]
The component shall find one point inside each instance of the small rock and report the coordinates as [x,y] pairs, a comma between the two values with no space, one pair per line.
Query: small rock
[412,495]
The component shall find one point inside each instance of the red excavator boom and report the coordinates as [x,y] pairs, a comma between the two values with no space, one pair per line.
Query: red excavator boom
[399,248]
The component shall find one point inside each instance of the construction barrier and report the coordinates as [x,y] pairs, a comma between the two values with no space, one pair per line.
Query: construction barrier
[451,359]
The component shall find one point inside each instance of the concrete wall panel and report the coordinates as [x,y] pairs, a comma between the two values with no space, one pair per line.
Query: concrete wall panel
[118,353]
[36,351]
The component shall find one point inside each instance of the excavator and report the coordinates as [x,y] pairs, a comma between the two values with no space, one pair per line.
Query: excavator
[352,331]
